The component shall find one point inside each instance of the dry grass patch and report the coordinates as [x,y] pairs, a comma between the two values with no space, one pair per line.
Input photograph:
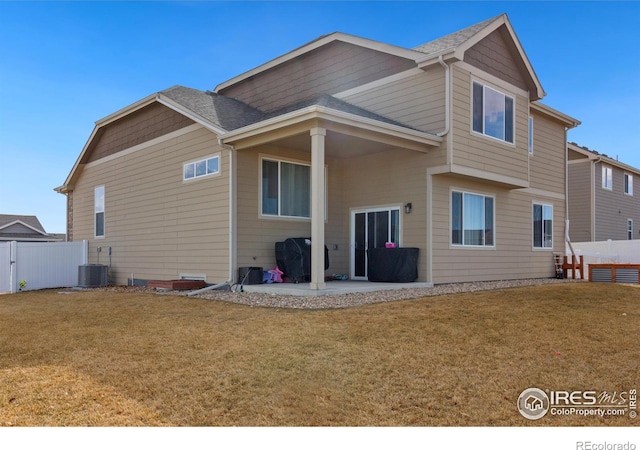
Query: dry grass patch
[102,358]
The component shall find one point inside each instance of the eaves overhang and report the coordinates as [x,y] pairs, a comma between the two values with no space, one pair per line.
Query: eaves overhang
[412,139]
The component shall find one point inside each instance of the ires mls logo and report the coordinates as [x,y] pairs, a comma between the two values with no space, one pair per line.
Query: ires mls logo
[534,403]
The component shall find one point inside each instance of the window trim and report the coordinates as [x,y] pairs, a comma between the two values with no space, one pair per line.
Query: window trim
[482,133]
[533,234]
[629,229]
[628,187]
[281,160]
[194,162]
[605,178]
[493,219]
[97,210]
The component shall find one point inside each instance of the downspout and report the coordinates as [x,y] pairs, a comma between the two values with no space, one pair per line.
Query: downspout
[593,197]
[566,193]
[232,210]
[447,98]
[447,127]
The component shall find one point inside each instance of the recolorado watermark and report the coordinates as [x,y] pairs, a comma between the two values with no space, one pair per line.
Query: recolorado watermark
[588,445]
[534,403]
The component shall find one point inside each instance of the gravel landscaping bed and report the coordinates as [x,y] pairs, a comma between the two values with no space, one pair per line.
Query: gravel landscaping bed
[361,298]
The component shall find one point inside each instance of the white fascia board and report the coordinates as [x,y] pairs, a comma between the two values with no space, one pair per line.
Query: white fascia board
[569,121]
[321,112]
[347,38]
[23,224]
[127,110]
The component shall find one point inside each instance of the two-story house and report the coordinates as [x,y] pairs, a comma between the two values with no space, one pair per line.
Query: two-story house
[443,147]
[602,201]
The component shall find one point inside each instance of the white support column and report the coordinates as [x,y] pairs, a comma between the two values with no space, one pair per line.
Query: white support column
[317,208]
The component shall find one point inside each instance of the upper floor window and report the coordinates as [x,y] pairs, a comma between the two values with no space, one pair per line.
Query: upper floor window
[628,184]
[98,208]
[201,168]
[542,226]
[493,113]
[607,177]
[471,219]
[286,189]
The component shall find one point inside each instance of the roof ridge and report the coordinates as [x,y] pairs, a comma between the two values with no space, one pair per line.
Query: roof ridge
[456,38]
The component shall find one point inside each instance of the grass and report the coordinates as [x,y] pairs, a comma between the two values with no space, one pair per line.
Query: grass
[130,359]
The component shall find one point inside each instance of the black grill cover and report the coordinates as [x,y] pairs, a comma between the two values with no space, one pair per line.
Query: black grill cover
[293,257]
[393,265]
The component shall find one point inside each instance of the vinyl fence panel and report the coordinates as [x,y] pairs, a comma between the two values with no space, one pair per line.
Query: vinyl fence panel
[600,252]
[42,265]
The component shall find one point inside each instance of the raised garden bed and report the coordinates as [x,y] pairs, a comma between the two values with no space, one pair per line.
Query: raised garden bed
[615,273]
[177,285]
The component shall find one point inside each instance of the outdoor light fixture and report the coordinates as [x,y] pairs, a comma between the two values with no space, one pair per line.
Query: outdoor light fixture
[407,208]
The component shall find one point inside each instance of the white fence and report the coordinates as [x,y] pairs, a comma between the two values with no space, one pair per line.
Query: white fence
[40,265]
[606,252]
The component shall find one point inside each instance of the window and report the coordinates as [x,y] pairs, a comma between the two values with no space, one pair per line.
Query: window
[286,189]
[542,226]
[492,113]
[628,184]
[530,135]
[471,219]
[607,177]
[201,168]
[98,208]
[629,229]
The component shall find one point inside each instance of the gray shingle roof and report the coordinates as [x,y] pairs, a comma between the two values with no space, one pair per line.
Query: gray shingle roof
[453,40]
[225,112]
[32,221]
[230,114]
[331,102]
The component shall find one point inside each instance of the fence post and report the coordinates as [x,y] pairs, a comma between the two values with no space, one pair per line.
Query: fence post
[85,252]
[13,269]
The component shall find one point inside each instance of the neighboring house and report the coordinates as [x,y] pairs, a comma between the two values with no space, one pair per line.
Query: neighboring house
[25,229]
[602,201]
[349,141]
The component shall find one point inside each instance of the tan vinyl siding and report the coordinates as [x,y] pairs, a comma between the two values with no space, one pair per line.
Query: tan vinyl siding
[482,152]
[547,164]
[332,68]
[580,175]
[417,100]
[513,256]
[158,226]
[614,207]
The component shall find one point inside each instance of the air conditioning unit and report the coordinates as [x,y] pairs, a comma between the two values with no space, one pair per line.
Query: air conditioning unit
[93,275]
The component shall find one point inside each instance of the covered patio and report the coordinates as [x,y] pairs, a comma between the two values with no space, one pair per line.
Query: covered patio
[331,288]
[323,128]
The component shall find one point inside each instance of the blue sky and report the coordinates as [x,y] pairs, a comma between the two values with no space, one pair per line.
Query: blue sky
[65,65]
